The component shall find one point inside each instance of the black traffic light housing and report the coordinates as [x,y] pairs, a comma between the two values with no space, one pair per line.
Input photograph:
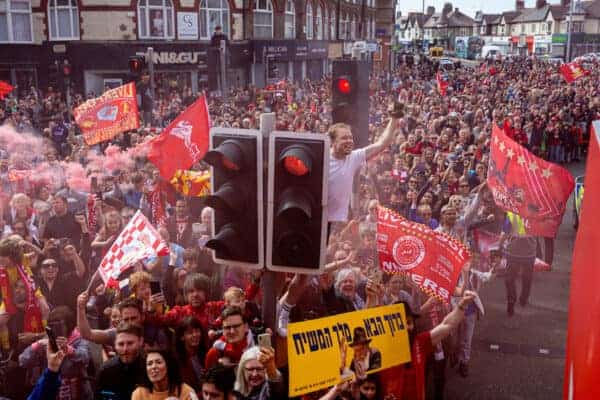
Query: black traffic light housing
[350,97]
[236,196]
[297,202]
[137,64]
[53,74]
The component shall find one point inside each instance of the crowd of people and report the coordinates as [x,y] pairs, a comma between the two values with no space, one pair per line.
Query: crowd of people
[185,327]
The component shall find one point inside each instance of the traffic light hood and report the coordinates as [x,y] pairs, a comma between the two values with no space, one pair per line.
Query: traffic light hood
[229,155]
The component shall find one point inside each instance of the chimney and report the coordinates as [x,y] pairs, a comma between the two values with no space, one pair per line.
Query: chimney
[455,10]
[540,3]
[519,5]
[430,11]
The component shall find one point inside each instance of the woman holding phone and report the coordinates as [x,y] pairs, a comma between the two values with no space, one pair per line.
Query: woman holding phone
[257,376]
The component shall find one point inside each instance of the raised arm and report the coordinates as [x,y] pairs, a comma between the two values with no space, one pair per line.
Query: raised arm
[452,320]
[93,335]
[386,138]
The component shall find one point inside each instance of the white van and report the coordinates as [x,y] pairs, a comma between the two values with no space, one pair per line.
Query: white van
[492,51]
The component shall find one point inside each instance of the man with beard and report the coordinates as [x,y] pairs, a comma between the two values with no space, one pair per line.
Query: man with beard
[119,376]
[408,381]
[345,162]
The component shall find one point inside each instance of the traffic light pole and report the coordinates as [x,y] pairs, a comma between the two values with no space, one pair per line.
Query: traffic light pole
[223,71]
[268,281]
[150,62]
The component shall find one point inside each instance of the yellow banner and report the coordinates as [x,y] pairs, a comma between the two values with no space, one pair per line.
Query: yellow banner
[363,341]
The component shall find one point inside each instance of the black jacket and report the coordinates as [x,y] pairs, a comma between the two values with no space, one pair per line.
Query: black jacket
[117,381]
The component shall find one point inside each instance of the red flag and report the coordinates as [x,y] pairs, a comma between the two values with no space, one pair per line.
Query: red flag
[526,185]
[572,71]
[104,117]
[182,143]
[442,82]
[5,88]
[432,259]
[582,365]
[137,241]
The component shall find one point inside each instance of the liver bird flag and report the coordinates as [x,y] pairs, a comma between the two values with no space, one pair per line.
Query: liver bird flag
[183,142]
[572,71]
[526,185]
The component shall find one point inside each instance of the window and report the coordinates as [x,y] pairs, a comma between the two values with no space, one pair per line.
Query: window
[522,28]
[319,24]
[155,19]
[63,19]
[373,28]
[290,20]
[15,21]
[533,28]
[309,21]
[325,22]
[213,13]
[333,25]
[353,28]
[263,19]
[549,27]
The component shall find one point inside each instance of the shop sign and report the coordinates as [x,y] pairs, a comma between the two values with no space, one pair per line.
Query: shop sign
[380,32]
[179,57]
[187,26]
[559,38]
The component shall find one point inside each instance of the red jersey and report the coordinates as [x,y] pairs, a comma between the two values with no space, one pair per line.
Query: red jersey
[408,383]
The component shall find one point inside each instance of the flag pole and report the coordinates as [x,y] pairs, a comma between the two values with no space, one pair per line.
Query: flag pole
[569,30]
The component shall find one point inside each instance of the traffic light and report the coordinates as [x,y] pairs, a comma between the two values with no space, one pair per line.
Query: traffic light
[66,73]
[137,64]
[53,74]
[236,196]
[297,202]
[350,97]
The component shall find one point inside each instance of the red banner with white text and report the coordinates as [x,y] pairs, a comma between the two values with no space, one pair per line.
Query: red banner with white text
[432,259]
[104,117]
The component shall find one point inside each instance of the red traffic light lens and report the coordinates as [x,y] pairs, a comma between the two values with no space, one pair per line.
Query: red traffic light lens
[343,86]
[295,166]
[67,70]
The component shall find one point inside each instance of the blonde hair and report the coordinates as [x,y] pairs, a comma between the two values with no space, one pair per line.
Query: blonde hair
[240,380]
[332,131]
[137,278]
[234,293]
[20,196]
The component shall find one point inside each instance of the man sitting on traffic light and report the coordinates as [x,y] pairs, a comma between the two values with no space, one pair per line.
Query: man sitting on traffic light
[345,162]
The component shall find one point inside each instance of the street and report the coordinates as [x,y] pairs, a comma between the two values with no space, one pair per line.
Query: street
[522,357]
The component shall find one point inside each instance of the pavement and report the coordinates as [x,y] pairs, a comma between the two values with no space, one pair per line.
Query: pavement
[522,357]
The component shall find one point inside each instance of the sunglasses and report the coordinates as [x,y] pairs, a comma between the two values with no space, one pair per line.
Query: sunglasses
[48,265]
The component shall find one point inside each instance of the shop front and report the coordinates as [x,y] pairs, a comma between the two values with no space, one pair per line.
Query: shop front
[275,60]
[19,66]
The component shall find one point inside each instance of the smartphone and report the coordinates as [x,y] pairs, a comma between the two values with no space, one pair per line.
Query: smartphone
[264,340]
[155,287]
[51,339]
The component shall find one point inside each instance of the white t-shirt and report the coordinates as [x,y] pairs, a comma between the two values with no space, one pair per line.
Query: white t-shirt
[341,175]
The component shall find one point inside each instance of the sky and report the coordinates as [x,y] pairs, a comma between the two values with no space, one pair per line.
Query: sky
[469,7]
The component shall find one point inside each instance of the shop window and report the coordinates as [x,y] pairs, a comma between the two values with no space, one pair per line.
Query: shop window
[325,22]
[213,13]
[290,20]
[353,28]
[309,21]
[263,19]
[333,25]
[155,19]
[15,21]
[63,20]
[319,24]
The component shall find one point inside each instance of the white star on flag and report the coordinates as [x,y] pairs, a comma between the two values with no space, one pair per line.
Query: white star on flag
[533,166]
[502,146]
[521,160]
[546,173]
[510,153]
[496,139]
